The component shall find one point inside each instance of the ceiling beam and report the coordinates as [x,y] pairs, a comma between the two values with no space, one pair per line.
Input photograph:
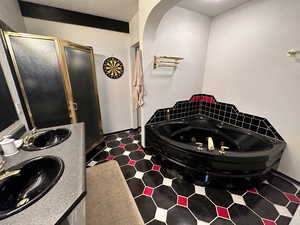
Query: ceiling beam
[44,12]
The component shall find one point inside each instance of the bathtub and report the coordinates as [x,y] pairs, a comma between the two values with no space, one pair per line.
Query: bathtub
[248,154]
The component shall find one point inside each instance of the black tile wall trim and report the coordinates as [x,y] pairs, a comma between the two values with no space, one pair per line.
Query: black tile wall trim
[44,12]
[208,106]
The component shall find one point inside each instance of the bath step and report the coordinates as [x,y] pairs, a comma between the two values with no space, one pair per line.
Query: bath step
[109,200]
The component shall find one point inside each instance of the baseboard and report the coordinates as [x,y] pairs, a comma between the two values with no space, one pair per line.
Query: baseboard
[286,177]
[120,131]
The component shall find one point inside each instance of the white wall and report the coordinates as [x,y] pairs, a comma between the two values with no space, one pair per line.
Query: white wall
[134,29]
[11,15]
[113,108]
[145,8]
[247,65]
[115,94]
[181,33]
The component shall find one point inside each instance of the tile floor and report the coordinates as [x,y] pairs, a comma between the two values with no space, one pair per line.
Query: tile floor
[165,198]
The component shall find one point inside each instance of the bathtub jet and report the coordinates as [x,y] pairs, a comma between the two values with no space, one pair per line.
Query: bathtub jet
[212,148]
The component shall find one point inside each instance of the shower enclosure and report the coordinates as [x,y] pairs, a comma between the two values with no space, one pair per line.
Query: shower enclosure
[57,83]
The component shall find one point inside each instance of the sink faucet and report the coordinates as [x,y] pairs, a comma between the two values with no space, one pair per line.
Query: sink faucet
[211,146]
[29,136]
[6,174]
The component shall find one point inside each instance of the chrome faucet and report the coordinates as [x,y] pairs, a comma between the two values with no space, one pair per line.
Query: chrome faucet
[210,144]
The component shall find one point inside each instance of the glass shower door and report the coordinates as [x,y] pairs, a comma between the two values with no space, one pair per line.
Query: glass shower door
[81,70]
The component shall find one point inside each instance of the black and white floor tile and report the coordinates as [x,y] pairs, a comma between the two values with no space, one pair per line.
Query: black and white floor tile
[165,198]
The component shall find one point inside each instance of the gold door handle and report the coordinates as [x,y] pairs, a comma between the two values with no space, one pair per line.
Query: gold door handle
[75,106]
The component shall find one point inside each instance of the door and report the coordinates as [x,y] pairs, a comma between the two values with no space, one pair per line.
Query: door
[39,72]
[81,69]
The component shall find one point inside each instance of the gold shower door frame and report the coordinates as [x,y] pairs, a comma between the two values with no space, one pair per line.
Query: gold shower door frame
[59,46]
[63,44]
[65,78]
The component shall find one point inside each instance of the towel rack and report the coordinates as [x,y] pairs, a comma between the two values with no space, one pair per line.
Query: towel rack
[166,61]
[293,52]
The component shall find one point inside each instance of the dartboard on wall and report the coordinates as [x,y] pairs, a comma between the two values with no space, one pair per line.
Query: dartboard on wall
[113,68]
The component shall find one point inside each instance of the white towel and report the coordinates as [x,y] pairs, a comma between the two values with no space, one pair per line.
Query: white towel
[138,80]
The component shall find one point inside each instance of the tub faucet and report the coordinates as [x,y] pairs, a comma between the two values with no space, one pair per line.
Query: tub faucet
[199,146]
[168,115]
[210,144]
[222,149]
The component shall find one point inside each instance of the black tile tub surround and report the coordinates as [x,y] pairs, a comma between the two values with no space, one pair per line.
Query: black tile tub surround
[165,197]
[207,106]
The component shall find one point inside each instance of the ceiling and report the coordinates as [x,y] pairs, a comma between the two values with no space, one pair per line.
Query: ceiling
[210,7]
[114,9]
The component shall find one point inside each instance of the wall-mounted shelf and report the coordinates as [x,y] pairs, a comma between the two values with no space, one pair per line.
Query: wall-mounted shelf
[166,61]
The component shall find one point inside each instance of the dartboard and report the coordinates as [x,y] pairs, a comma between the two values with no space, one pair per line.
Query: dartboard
[113,68]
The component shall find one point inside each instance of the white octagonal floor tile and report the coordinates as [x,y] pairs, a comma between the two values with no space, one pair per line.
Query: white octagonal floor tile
[238,199]
[283,210]
[161,214]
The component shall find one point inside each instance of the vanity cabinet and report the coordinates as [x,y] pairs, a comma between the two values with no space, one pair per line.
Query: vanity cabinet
[77,215]
[57,83]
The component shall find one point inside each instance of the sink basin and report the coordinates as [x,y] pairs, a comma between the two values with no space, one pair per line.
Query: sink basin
[27,182]
[45,139]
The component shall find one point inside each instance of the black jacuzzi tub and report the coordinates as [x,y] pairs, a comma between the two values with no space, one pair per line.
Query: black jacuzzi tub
[248,154]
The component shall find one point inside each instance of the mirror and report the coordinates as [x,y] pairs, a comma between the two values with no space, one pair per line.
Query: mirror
[8,114]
